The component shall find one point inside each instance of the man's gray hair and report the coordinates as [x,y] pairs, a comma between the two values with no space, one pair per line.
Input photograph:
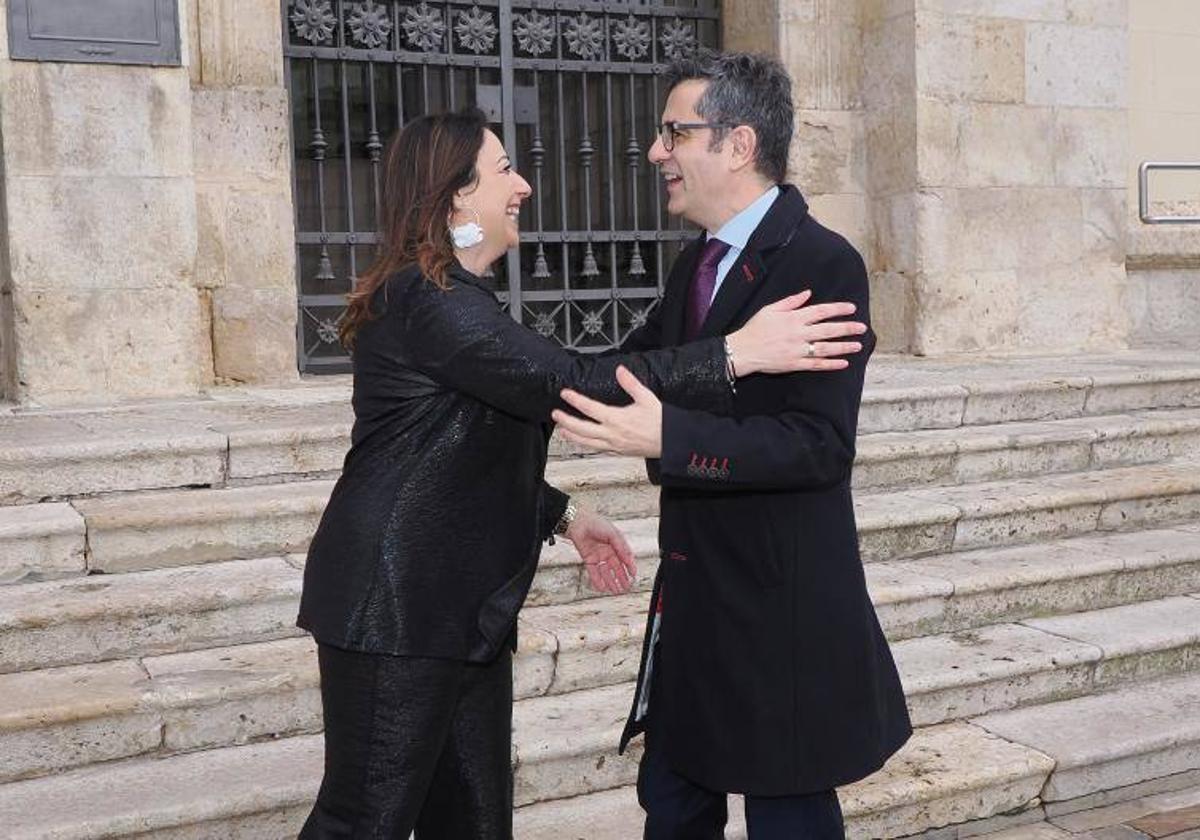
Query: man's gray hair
[743,89]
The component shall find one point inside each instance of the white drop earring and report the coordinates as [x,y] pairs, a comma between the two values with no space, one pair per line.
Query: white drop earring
[467,235]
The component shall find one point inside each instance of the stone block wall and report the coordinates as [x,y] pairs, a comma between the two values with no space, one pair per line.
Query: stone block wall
[819,43]
[146,230]
[8,361]
[982,157]
[99,232]
[246,253]
[1164,124]
[1021,110]
[890,134]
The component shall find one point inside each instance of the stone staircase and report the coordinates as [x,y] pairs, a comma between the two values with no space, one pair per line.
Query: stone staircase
[1031,532]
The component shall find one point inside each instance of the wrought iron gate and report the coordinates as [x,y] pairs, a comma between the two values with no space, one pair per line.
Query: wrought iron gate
[573,90]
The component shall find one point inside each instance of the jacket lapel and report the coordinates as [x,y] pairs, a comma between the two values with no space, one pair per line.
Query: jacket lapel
[742,281]
[749,272]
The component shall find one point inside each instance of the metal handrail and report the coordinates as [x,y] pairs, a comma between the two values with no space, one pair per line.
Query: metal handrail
[1144,193]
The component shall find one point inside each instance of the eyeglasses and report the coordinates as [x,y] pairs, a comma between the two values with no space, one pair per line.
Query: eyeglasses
[668,130]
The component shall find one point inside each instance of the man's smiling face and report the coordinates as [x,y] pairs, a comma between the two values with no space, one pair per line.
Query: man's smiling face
[694,175]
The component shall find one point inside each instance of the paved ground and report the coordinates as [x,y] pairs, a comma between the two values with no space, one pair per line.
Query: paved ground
[1173,816]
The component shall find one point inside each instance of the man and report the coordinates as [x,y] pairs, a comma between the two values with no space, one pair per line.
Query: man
[764,669]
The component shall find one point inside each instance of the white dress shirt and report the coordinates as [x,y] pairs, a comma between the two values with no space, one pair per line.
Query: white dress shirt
[736,232]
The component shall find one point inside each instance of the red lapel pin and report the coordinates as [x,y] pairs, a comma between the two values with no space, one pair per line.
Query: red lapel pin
[749,275]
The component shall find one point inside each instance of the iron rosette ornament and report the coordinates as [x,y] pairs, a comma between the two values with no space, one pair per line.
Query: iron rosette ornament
[535,32]
[313,20]
[678,39]
[631,37]
[476,30]
[369,24]
[585,36]
[424,27]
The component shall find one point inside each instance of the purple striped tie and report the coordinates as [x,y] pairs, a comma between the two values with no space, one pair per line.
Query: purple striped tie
[703,282]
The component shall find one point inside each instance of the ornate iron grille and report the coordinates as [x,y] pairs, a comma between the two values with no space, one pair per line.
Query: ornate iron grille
[572,88]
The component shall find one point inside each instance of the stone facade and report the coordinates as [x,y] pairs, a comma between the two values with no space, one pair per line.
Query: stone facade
[147,242]
[100,231]
[246,256]
[1164,260]
[1020,159]
[981,153]
[986,146]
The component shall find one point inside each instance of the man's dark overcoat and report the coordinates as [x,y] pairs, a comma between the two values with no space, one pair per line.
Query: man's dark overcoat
[776,678]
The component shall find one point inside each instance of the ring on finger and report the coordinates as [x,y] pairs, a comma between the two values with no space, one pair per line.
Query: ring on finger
[810,350]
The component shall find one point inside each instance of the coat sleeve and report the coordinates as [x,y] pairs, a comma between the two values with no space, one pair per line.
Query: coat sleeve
[553,505]
[807,444]
[462,338]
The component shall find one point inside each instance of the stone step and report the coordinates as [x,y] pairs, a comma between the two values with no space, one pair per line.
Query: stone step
[895,524]
[572,701]
[103,617]
[252,792]
[1021,511]
[227,438]
[41,541]
[155,529]
[56,455]
[1121,738]
[948,676]
[618,486]
[239,435]
[946,774]
[1031,448]
[972,672]
[905,393]
[960,590]
[582,645]
[88,619]
[570,745]
[158,611]
[184,527]
[597,642]
[60,718]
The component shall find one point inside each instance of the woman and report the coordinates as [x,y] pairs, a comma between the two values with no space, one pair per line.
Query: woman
[431,537]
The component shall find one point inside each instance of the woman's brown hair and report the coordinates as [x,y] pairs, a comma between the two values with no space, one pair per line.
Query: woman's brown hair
[431,159]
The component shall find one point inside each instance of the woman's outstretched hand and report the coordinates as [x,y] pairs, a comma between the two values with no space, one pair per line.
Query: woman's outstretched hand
[606,554]
[787,336]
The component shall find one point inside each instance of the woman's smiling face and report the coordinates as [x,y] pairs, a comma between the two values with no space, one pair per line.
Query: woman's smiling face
[496,198]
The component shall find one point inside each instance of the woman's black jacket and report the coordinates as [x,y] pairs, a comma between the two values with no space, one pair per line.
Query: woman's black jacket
[431,537]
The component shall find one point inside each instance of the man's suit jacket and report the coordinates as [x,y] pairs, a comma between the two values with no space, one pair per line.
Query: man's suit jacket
[775,676]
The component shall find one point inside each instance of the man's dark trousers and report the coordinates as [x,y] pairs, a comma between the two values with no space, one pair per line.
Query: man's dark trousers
[678,809]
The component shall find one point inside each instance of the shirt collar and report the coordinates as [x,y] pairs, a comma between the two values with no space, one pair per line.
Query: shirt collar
[736,232]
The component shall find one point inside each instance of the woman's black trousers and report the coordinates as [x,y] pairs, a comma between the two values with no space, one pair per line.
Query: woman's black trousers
[414,744]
